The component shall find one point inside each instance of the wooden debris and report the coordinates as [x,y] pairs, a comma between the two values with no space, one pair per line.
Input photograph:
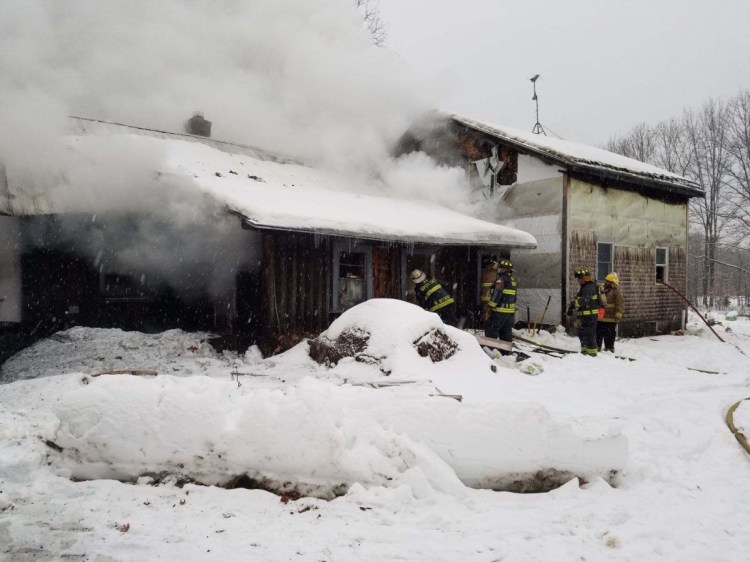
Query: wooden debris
[134,372]
[707,371]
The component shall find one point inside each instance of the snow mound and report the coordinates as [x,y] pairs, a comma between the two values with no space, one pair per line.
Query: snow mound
[92,350]
[395,336]
[320,439]
[210,431]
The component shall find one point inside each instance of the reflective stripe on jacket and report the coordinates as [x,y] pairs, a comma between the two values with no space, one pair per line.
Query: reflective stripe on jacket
[587,301]
[503,298]
[431,295]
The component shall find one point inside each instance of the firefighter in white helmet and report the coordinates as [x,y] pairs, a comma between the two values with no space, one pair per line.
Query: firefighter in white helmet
[433,297]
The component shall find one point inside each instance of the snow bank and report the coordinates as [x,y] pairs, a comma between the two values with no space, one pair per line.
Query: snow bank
[677,494]
[318,436]
[92,350]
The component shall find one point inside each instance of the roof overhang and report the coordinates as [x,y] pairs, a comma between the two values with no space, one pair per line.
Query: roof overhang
[490,241]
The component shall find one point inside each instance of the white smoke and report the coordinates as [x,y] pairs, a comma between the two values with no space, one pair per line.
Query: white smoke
[416,176]
[296,76]
[299,77]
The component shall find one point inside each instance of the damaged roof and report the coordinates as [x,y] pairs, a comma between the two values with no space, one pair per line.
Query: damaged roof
[576,157]
[268,192]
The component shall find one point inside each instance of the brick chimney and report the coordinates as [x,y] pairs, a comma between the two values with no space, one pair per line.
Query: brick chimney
[197,125]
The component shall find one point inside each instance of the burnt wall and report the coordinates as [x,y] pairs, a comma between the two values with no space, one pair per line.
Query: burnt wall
[385,271]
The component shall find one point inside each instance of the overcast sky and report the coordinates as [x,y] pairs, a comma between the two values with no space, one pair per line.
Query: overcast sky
[605,65]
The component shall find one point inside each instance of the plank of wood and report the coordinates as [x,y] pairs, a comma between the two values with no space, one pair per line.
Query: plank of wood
[135,372]
[543,346]
[707,371]
[494,343]
[383,384]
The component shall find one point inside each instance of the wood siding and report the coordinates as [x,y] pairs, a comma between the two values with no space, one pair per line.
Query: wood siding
[386,272]
[297,283]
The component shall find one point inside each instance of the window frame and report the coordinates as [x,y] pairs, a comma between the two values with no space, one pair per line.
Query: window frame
[657,265]
[349,247]
[601,275]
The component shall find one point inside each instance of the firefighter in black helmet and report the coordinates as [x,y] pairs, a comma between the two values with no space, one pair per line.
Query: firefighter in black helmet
[586,308]
[433,297]
[502,303]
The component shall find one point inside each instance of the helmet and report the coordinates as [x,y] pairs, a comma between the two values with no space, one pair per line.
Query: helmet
[612,278]
[582,272]
[418,276]
[503,264]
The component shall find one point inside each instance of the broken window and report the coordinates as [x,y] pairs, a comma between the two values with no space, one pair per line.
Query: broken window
[352,275]
[604,259]
[662,265]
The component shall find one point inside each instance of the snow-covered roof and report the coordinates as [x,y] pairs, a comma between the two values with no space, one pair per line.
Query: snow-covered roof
[580,157]
[271,195]
[79,126]
[271,192]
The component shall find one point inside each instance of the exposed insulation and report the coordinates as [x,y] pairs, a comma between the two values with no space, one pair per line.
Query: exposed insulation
[626,218]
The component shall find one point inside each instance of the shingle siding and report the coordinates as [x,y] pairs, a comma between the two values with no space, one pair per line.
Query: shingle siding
[650,308]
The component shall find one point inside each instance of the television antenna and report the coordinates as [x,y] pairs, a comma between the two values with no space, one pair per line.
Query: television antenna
[538,129]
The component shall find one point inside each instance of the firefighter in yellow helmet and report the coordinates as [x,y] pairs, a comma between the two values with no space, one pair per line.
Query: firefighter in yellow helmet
[586,308]
[502,303]
[606,328]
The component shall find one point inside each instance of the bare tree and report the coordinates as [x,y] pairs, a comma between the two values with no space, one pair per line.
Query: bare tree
[712,147]
[707,138]
[739,171]
[672,149]
[637,144]
[370,11]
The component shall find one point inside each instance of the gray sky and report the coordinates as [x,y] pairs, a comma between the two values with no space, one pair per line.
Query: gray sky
[605,65]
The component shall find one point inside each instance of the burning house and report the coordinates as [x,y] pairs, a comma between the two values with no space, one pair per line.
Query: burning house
[216,236]
[585,206]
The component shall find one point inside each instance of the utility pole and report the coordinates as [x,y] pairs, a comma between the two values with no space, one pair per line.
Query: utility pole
[538,129]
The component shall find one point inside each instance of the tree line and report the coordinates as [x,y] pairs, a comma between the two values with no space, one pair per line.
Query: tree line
[710,145]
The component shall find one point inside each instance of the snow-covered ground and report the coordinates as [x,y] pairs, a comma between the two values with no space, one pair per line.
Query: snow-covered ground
[106,467]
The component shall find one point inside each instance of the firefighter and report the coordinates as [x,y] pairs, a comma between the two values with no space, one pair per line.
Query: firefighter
[502,303]
[488,278]
[586,308]
[431,296]
[614,308]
